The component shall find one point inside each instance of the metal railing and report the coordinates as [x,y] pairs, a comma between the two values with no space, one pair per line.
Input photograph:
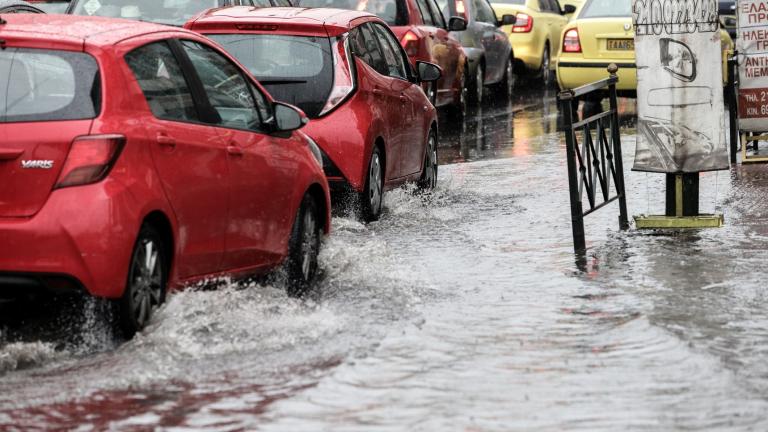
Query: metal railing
[595,160]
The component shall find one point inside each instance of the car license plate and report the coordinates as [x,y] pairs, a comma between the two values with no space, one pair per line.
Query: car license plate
[621,44]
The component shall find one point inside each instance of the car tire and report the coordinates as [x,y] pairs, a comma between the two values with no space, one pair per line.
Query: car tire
[146,283]
[458,110]
[545,74]
[506,86]
[476,86]
[303,248]
[428,180]
[372,197]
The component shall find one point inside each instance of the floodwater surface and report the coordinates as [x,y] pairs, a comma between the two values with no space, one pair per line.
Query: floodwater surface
[461,310]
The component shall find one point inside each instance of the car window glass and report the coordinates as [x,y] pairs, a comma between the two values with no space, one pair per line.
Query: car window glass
[436,14]
[160,78]
[606,8]
[393,12]
[45,85]
[171,12]
[395,64]
[364,45]
[484,12]
[282,3]
[225,86]
[543,5]
[556,6]
[426,17]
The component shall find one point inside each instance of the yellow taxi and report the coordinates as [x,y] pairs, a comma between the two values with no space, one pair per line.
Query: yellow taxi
[535,36]
[601,33]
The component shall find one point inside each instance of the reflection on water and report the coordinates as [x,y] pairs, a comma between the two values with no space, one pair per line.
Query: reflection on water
[461,310]
[513,127]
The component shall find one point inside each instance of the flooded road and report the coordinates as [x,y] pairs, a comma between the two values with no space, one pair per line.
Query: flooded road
[458,311]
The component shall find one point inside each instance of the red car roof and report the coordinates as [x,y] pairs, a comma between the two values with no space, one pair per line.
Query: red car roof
[319,21]
[72,30]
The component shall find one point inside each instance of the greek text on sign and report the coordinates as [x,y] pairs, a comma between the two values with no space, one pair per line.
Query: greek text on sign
[752,45]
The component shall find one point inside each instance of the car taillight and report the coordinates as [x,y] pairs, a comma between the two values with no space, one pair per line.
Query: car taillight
[343,75]
[523,24]
[461,9]
[90,159]
[571,42]
[410,43]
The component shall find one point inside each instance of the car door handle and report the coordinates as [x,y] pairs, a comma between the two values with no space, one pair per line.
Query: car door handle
[377,91]
[166,141]
[403,99]
[234,150]
[10,154]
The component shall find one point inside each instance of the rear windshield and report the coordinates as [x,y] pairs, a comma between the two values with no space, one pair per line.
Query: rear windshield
[607,8]
[294,69]
[393,12]
[172,12]
[45,85]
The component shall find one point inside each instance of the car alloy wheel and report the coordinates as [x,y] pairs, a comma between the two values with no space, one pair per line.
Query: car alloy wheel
[479,79]
[372,196]
[147,276]
[510,78]
[432,93]
[546,74]
[304,247]
[459,109]
[428,179]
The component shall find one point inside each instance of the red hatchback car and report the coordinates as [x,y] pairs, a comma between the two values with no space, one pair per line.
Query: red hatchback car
[422,31]
[347,71]
[136,157]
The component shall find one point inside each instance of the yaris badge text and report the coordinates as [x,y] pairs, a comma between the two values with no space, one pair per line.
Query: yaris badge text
[37,164]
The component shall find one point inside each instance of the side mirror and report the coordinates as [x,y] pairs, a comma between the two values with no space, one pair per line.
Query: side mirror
[569,9]
[287,117]
[457,23]
[428,72]
[507,19]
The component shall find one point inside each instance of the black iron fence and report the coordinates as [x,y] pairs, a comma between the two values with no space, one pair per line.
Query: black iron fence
[594,155]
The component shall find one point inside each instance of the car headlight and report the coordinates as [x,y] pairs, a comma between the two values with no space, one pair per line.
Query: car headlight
[313,147]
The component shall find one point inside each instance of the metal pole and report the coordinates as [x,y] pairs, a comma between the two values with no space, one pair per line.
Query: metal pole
[733,108]
[577,212]
[617,156]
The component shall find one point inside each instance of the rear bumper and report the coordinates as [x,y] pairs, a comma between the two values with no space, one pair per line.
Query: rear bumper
[572,74]
[81,239]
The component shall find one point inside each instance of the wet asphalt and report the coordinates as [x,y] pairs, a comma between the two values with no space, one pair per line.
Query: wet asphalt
[461,310]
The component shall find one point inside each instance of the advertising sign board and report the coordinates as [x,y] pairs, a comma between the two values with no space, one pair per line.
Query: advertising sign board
[681,119]
[752,44]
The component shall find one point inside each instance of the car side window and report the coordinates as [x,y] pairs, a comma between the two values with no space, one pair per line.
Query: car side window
[546,6]
[282,3]
[391,49]
[483,12]
[556,8]
[426,16]
[227,89]
[436,14]
[364,46]
[160,77]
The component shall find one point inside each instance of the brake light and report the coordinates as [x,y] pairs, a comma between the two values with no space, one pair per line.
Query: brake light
[343,75]
[90,159]
[256,27]
[461,9]
[523,24]
[410,43]
[571,42]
